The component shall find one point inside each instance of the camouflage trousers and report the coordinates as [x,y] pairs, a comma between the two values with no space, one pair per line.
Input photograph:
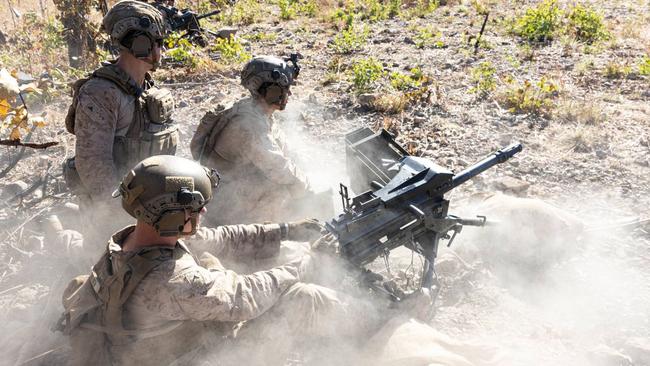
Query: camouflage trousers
[311,324]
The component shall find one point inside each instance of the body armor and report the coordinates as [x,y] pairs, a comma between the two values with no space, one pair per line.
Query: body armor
[151,132]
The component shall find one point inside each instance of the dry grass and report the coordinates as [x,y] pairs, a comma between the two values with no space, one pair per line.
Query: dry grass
[581,112]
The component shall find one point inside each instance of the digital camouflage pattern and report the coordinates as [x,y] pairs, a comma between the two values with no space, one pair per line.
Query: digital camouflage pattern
[258,180]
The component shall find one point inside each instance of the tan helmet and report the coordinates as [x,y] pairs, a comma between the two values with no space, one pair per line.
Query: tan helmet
[160,189]
[135,26]
[270,77]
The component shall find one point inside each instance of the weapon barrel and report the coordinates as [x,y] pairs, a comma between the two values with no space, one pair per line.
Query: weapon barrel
[491,160]
[214,12]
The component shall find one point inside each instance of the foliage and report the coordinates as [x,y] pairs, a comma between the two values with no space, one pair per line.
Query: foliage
[350,40]
[290,8]
[13,116]
[78,30]
[35,33]
[586,24]
[535,98]
[428,37]
[644,66]
[365,72]
[404,82]
[539,24]
[483,78]
[244,12]
[614,70]
[261,37]
[421,9]
[181,51]
[343,17]
[231,50]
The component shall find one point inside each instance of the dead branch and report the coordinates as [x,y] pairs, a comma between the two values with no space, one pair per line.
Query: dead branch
[11,289]
[31,145]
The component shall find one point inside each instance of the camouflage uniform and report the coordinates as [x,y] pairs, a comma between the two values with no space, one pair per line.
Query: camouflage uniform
[258,179]
[181,305]
[117,122]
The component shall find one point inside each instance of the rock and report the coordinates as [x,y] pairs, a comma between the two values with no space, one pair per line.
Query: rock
[14,188]
[408,40]
[3,38]
[367,100]
[226,32]
[182,104]
[511,185]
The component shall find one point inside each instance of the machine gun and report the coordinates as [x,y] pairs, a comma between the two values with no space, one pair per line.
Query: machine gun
[186,20]
[404,207]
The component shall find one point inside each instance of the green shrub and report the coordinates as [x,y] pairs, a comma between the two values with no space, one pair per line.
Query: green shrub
[535,98]
[539,24]
[231,50]
[483,78]
[421,9]
[644,66]
[244,12]
[290,8]
[181,51]
[349,40]
[428,37]
[365,72]
[586,25]
[404,82]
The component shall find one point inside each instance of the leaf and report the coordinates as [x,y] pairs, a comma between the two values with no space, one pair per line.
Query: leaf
[8,85]
[5,107]
[37,121]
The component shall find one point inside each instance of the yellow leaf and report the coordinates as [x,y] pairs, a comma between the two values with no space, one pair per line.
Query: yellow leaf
[5,107]
[15,134]
[37,121]
[8,85]
[19,118]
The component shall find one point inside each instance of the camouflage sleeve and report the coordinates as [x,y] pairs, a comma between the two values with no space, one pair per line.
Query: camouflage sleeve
[201,294]
[257,147]
[254,241]
[95,124]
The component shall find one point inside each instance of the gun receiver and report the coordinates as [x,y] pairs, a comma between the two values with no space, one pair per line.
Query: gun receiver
[185,20]
[409,210]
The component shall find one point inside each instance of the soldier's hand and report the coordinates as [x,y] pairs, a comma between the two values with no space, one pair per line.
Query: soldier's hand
[419,304]
[304,230]
[326,244]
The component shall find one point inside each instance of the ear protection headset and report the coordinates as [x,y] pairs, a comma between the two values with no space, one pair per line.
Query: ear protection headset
[273,93]
[138,42]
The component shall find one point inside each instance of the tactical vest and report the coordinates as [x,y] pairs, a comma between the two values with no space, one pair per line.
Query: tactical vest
[94,308]
[205,139]
[151,132]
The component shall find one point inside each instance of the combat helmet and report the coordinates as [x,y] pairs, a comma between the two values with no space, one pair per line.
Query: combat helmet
[160,189]
[263,72]
[135,26]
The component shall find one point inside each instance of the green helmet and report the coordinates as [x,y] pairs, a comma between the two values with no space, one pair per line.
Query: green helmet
[135,26]
[270,77]
[160,189]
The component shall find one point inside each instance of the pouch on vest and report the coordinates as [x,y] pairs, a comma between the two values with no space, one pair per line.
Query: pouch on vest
[207,133]
[160,105]
[70,116]
[81,304]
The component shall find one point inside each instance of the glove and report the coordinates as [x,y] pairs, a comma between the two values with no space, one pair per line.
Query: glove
[304,230]
[419,304]
[327,244]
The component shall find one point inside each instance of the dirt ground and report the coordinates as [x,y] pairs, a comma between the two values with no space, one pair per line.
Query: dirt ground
[542,294]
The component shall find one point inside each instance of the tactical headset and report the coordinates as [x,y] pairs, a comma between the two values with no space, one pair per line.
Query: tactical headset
[139,43]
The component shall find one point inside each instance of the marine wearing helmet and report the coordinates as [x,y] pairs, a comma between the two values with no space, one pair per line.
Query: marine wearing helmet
[117,114]
[244,142]
[149,301]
